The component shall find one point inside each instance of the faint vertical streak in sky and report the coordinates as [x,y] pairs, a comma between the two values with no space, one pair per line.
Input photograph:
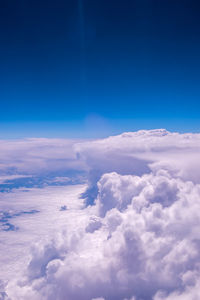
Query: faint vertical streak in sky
[82,24]
[82,48]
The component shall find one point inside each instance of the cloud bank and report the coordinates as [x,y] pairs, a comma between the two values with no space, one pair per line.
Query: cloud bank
[133,235]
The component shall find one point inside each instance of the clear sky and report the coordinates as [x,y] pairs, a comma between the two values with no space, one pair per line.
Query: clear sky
[96,67]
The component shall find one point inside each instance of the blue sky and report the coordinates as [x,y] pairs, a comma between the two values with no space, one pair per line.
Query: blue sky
[91,68]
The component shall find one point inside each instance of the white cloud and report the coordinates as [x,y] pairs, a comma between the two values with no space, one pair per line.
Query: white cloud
[139,240]
[139,153]
[37,155]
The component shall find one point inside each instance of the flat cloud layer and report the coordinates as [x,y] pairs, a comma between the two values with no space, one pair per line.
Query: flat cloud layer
[132,235]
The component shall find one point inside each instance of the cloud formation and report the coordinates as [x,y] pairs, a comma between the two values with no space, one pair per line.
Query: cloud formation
[139,153]
[37,156]
[135,238]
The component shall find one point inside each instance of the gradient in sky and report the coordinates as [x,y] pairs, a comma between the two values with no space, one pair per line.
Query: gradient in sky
[87,68]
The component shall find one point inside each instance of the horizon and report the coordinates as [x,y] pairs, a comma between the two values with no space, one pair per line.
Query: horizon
[101,128]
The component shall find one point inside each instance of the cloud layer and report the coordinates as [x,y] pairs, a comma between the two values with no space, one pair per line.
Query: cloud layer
[135,236]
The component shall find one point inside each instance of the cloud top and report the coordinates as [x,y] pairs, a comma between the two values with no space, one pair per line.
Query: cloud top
[137,236]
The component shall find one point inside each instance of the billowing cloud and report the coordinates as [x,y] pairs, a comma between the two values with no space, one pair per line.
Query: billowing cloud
[139,153]
[136,238]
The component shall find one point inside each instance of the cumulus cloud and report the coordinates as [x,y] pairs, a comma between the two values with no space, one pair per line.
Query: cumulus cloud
[139,153]
[137,237]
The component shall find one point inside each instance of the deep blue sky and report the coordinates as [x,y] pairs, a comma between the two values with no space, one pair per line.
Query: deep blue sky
[80,65]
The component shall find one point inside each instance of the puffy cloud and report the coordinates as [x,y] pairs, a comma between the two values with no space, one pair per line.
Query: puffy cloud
[139,153]
[33,216]
[139,240]
[190,292]
[137,248]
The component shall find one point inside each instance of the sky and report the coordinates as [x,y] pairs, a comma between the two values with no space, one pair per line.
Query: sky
[88,68]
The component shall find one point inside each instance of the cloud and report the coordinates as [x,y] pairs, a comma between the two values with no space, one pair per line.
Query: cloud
[137,239]
[9,178]
[139,248]
[36,214]
[37,156]
[139,153]
[39,162]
